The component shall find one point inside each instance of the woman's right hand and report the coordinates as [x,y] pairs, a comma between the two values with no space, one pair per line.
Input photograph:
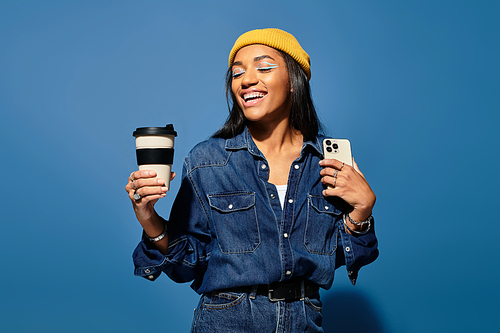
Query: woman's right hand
[150,189]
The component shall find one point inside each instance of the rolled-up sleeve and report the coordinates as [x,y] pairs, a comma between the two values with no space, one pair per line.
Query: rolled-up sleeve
[189,240]
[358,250]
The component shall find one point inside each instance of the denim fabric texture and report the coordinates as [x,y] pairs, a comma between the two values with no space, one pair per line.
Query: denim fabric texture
[227,228]
[230,312]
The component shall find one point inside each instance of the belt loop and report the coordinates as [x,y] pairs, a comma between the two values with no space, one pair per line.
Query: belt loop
[254,291]
[302,290]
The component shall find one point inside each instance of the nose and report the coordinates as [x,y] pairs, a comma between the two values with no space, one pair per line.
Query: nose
[250,78]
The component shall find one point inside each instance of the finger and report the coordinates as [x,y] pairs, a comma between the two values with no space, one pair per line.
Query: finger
[329,171]
[130,185]
[333,163]
[151,198]
[143,174]
[146,199]
[143,206]
[172,176]
[332,192]
[144,182]
[151,190]
[131,193]
[133,182]
[330,182]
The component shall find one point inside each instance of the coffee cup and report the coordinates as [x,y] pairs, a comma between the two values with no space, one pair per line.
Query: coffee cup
[155,150]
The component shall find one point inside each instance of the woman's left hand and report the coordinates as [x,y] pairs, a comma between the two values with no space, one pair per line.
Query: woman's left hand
[349,184]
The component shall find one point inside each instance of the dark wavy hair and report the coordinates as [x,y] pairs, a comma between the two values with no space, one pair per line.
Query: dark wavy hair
[303,116]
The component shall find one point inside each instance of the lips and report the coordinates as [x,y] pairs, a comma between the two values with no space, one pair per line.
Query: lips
[253,97]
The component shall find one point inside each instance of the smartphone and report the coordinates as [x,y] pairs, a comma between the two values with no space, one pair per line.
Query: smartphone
[339,149]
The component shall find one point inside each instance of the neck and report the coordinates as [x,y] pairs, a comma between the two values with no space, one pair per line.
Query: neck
[275,139]
[281,145]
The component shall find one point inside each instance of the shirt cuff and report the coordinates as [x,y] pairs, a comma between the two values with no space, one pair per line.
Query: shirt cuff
[359,250]
[148,260]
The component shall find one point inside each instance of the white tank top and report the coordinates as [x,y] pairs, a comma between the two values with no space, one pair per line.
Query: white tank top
[281,194]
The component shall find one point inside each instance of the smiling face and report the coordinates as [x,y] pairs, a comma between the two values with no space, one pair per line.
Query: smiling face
[260,84]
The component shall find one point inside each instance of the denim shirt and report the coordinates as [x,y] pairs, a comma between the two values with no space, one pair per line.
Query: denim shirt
[227,228]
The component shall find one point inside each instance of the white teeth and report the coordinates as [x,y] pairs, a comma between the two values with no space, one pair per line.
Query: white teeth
[253,95]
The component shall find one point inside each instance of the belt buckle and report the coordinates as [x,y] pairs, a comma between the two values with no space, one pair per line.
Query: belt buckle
[271,298]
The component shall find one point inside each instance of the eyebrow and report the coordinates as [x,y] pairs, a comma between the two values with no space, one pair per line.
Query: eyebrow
[262,57]
[258,58]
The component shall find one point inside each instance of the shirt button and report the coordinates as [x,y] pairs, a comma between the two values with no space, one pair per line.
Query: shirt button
[347,249]
[327,208]
[147,271]
[296,167]
[151,277]
[285,235]
[288,273]
[230,206]
[290,201]
[263,166]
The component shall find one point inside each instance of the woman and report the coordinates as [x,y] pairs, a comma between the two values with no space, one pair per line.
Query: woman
[257,224]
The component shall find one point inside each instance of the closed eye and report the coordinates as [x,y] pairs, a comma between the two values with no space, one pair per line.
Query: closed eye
[266,66]
[237,72]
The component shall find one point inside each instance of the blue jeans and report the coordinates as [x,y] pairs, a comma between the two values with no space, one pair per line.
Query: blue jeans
[234,312]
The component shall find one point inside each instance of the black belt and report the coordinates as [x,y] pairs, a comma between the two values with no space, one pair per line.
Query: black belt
[282,291]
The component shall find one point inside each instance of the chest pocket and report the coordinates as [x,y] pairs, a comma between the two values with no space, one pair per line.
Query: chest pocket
[321,232]
[235,221]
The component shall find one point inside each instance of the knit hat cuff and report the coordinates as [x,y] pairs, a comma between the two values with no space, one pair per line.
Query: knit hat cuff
[277,39]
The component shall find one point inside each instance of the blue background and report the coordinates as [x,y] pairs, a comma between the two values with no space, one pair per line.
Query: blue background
[414,85]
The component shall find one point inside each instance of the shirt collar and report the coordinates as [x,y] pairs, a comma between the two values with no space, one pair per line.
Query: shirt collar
[244,141]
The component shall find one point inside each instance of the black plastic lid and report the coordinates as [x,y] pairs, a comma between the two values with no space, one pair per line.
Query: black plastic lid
[167,130]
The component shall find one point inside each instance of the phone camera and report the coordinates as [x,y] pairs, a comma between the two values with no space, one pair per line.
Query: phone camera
[329,149]
[328,142]
[335,146]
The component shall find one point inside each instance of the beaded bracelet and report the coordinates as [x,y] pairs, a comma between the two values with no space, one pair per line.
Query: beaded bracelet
[160,237]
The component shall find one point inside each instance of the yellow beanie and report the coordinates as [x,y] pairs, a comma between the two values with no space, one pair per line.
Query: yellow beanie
[277,39]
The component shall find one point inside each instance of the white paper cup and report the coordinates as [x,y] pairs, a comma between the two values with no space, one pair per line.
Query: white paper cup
[155,150]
